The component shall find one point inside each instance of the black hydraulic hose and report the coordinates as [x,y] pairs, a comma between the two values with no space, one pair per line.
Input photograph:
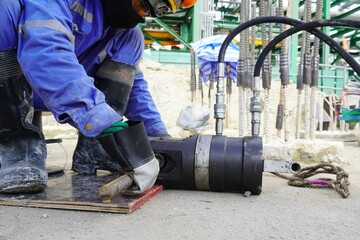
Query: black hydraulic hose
[250,23]
[309,26]
[256,102]
[272,19]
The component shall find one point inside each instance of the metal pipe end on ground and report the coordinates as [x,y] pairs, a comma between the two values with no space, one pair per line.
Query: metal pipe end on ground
[115,187]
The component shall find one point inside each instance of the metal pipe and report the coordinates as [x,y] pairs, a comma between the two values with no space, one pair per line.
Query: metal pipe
[115,187]
[281,166]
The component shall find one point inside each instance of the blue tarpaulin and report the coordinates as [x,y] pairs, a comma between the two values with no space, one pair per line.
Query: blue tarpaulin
[207,52]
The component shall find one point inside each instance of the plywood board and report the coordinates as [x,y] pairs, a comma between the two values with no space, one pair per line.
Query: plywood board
[72,191]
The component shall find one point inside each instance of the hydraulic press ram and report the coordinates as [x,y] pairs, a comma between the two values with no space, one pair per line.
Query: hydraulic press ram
[210,163]
[215,163]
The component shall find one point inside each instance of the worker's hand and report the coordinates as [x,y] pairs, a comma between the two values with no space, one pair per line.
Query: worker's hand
[130,147]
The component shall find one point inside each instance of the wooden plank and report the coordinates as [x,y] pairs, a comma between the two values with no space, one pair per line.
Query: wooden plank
[73,191]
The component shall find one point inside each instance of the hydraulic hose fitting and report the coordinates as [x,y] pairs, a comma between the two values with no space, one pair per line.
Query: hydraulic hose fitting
[256,108]
[220,106]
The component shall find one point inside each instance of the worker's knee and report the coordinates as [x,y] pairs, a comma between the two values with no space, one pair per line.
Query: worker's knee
[128,46]
[136,36]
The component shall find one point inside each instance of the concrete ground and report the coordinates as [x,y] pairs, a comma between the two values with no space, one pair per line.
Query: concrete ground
[280,212]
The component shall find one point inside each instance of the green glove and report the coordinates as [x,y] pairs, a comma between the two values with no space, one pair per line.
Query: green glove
[114,128]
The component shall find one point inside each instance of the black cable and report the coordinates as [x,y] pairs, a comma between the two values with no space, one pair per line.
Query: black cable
[307,27]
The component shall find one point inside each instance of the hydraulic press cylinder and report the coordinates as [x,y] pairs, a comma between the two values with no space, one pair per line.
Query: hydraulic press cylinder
[212,163]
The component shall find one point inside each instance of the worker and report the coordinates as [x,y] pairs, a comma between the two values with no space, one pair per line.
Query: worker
[80,60]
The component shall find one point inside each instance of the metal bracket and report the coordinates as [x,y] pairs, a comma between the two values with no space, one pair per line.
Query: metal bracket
[279,166]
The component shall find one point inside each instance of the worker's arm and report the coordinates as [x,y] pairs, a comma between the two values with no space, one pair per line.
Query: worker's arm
[46,53]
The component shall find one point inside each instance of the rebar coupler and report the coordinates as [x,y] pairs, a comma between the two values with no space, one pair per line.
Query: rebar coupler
[307,69]
[284,69]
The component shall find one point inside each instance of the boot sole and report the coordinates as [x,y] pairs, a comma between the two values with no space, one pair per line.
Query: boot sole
[24,188]
[84,168]
[90,169]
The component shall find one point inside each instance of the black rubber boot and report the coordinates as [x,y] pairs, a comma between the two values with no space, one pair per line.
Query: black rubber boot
[115,80]
[89,156]
[22,145]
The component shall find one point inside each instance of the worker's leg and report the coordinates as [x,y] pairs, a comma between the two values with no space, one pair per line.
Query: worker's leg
[115,80]
[22,145]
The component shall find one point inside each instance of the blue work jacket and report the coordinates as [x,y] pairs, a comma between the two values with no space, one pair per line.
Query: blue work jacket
[60,45]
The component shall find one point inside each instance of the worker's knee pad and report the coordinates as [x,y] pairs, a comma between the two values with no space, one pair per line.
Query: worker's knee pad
[115,80]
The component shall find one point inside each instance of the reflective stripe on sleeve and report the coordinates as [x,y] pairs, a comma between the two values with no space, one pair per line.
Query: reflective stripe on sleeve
[51,24]
[81,10]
